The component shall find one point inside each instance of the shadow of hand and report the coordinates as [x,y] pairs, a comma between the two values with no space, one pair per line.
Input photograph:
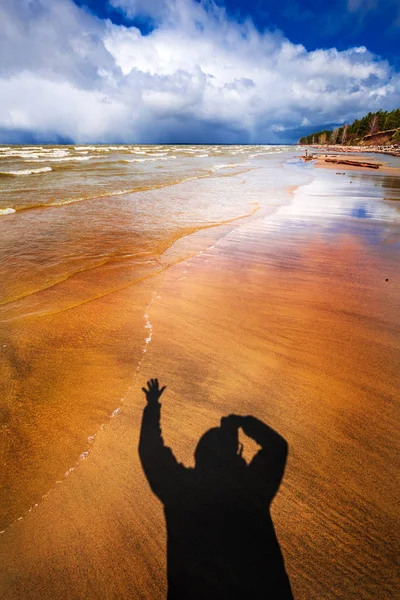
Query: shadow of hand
[154,392]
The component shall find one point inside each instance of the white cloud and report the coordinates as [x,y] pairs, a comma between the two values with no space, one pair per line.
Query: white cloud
[198,76]
[32,103]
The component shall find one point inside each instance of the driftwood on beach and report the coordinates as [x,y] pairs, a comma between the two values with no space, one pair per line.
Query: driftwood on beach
[353,163]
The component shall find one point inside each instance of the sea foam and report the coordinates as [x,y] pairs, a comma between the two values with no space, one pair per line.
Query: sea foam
[25,172]
[61,159]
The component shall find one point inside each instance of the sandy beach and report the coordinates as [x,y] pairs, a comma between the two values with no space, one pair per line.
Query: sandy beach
[290,315]
[337,162]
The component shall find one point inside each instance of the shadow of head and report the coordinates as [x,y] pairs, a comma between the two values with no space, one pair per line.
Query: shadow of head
[219,447]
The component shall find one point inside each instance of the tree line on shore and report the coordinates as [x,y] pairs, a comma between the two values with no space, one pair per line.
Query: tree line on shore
[351,135]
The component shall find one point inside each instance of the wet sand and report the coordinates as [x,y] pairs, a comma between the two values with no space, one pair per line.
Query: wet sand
[290,318]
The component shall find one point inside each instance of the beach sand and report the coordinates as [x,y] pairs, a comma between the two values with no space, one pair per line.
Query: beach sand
[289,317]
[321,162]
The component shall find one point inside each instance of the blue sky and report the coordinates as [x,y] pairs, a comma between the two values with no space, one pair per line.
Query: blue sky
[313,23]
[151,71]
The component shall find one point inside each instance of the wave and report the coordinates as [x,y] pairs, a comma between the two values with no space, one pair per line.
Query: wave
[265,153]
[25,172]
[63,159]
[7,211]
[49,151]
[87,163]
[102,148]
[34,148]
[227,166]
[38,153]
[20,155]
[152,159]
[98,196]
[78,148]
[205,174]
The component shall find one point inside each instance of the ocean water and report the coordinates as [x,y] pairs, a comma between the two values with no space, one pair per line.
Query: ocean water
[117,210]
[33,176]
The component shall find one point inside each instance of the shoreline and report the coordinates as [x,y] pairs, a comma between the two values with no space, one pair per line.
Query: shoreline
[389,150]
[350,162]
[354,163]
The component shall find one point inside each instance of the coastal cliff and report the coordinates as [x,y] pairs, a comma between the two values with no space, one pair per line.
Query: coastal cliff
[375,129]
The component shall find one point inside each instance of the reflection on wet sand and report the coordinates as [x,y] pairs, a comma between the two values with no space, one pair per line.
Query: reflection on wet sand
[288,318]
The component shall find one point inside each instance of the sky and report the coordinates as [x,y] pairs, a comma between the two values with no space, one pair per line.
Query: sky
[193,71]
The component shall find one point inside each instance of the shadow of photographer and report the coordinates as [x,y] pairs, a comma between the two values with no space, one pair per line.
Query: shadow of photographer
[221,541]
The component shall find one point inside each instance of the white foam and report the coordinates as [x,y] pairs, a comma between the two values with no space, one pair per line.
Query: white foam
[54,153]
[151,159]
[64,158]
[227,166]
[264,153]
[18,154]
[99,148]
[27,171]
[7,211]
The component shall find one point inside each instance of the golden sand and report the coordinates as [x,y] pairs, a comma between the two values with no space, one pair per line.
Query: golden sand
[301,332]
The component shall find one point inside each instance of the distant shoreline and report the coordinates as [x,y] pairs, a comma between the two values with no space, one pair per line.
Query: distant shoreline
[352,161]
[390,150]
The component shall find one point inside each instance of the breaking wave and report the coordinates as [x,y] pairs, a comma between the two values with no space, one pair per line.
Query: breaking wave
[227,166]
[132,160]
[25,172]
[61,159]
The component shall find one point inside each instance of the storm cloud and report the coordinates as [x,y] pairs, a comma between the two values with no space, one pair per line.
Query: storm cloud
[196,76]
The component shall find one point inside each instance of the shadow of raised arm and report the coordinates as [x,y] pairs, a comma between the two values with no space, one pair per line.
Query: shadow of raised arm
[158,461]
[268,465]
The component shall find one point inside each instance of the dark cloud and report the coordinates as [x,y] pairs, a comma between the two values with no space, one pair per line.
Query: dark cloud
[198,76]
